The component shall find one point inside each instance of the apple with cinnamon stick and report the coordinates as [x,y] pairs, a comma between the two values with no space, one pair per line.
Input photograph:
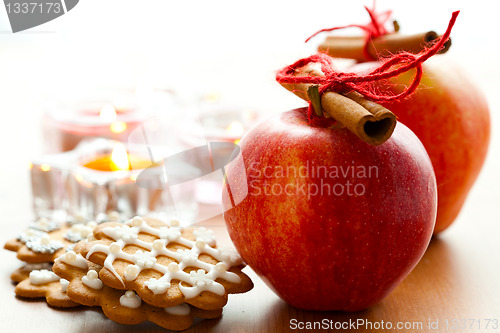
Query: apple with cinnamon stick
[330,222]
[340,200]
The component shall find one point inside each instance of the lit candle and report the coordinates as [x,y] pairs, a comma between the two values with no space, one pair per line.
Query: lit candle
[67,125]
[235,131]
[96,178]
[118,160]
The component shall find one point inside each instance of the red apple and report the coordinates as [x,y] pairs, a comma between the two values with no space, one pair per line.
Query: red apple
[450,116]
[329,222]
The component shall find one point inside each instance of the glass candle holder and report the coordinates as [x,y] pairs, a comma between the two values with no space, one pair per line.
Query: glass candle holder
[99,177]
[214,122]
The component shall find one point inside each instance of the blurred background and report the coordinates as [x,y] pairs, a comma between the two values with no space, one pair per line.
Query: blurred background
[226,49]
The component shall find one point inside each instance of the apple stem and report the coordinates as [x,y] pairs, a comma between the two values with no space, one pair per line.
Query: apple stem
[315,98]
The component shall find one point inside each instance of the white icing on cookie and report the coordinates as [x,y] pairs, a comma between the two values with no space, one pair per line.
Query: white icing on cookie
[203,279]
[36,266]
[206,235]
[130,300]
[144,259]
[80,231]
[44,224]
[44,244]
[125,233]
[170,234]
[179,310]
[73,259]
[92,280]
[64,285]
[38,277]
[200,282]
[188,257]
[30,234]
[230,256]
[158,286]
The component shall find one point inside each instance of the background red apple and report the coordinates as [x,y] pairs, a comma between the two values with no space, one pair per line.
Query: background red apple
[450,116]
[323,236]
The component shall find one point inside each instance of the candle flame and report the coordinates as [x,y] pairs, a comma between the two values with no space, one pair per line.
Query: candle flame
[235,129]
[45,167]
[118,127]
[108,113]
[119,158]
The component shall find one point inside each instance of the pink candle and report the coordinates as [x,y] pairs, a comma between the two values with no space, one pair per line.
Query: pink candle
[64,128]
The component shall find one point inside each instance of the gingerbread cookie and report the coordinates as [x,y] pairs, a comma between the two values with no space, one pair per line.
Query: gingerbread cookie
[44,283]
[122,306]
[23,272]
[44,241]
[166,265]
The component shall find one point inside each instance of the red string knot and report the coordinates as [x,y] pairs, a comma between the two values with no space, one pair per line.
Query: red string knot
[332,80]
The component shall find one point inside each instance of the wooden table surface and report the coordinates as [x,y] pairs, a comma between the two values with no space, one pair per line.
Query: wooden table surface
[457,279]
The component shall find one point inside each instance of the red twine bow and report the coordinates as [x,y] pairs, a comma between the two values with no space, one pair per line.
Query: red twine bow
[375,28]
[346,82]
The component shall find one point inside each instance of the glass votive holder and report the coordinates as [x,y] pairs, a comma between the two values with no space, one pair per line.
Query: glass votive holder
[98,177]
[214,122]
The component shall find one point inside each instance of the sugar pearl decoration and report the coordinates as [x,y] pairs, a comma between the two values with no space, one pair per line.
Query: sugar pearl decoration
[130,300]
[173,267]
[200,244]
[131,272]
[114,248]
[221,267]
[158,245]
[136,221]
[92,280]
[92,274]
[70,257]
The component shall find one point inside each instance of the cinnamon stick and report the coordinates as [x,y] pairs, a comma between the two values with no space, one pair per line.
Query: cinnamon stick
[353,47]
[368,120]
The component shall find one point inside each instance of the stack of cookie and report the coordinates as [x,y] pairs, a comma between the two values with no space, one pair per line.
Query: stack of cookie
[144,269]
[38,246]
